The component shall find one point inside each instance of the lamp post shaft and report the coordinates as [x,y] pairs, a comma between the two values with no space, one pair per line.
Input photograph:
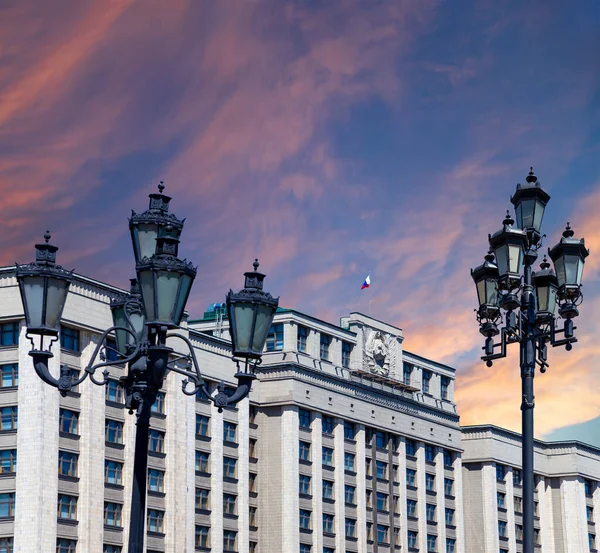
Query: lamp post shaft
[527,361]
[140,475]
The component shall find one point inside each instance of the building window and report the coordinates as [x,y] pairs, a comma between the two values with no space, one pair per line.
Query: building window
[430,512]
[411,448]
[9,333]
[304,519]
[368,467]
[114,391]
[327,489]
[69,338]
[8,462]
[381,440]
[301,340]
[202,461]
[448,486]
[349,430]
[500,472]
[502,529]
[327,523]
[382,501]
[304,484]
[106,549]
[202,425]
[450,545]
[382,470]
[113,431]
[110,351]
[202,536]
[112,514]
[7,505]
[252,517]
[448,458]
[157,441]
[67,463]
[588,486]
[406,373]
[411,508]
[536,536]
[229,465]
[518,531]
[158,407]
[304,418]
[113,472]
[589,511]
[349,494]
[324,347]
[383,533]
[430,482]
[229,540]
[327,457]
[252,448]
[229,432]
[516,474]
[592,541]
[65,546]
[518,504]
[156,480]
[412,539]
[229,504]
[327,424]
[305,548]
[431,543]
[449,517]
[445,385]
[10,417]
[346,351]
[411,476]
[328,550]
[350,528]
[202,499]
[9,375]
[275,337]
[349,459]
[501,499]
[67,507]
[304,451]
[429,453]
[68,421]
[426,381]
[252,483]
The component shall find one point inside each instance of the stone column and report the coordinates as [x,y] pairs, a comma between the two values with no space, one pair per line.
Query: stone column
[490,507]
[510,509]
[574,515]
[243,475]
[421,497]
[290,528]
[441,500]
[37,445]
[361,489]
[216,481]
[402,494]
[317,482]
[339,486]
[458,501]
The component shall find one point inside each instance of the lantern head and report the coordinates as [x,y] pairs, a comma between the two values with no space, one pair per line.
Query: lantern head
[530,202]
[128,312]
[486,281]
[251,313]
[569,257]
[43,286]
[508,245]
[546,287]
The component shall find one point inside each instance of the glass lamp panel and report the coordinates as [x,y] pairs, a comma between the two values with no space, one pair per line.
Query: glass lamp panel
[538,215]
[527,211]
[167,283]
[146,238]
[264,318]
[552,299]
[243,314]
[137,321]
[33,289]
[573,274]
[502,259]
[492,292]
[559,268]
[481,295]
[514,258]
[519,215]
[56,295]
[542,297]
[120,320]
[146,280]
[186,284]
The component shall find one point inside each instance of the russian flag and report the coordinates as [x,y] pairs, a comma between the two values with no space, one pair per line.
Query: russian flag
[366,283]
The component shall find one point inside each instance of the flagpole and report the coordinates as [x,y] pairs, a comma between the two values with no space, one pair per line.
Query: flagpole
[369,293]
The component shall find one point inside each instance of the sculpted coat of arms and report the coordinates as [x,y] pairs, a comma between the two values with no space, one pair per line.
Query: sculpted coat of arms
[378,353]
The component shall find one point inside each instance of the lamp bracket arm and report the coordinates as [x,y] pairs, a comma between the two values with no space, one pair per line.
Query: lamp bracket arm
[64,383]
[195,377]
[221,399]
[91,367]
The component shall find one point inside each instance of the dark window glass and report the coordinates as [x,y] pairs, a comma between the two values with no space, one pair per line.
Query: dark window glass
[68,421]
[67,507]
[381,439]
[202,464]
[327,424]
[114,391]
[445,385]
[156,480]
[8,462]
[304,418]
[9,334]
[302,336]
[275,337]
[159,403]
[406,373]
[426,381]
[69,338]
[304,484]
[7,505]
[9,377]
[429,453]
[157,441]
[10,417]
[112,513]
[202,536]
[229,467]
[346,351]
[349,430]
[64,545]
[411,448]
[154,520]
[324,347]
[113,472]
[67,463]
[202,425]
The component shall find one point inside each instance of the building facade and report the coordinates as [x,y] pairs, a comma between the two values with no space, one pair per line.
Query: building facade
[347,443]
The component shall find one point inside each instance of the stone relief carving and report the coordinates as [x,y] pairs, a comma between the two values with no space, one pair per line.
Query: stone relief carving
[379,355]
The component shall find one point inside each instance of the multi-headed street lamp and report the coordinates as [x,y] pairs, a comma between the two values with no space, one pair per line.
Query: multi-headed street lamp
[507,285]
[142,321]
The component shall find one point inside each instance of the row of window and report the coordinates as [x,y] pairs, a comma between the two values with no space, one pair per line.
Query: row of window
[503,531]
[203,429]
[229,539]
[426,376]
[203,464]
[275,343]
[517,503]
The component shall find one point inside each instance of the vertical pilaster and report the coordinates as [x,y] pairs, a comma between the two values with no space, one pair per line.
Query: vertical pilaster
[290,506]
[490,505]
[339,486]
[421,497]
[361,489]
[441,501]
[243,475]
[216,481]
[37,446]
[458,500]
[510,510]
[129,432]
[403,494]
[317,482]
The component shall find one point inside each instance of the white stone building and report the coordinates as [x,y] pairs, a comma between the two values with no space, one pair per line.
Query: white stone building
[347,443]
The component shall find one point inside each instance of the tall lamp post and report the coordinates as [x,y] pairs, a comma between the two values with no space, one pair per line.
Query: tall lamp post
[523,303]
[142,321]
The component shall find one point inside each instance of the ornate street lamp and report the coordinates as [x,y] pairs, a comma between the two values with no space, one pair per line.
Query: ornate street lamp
[529,301]
[142,318]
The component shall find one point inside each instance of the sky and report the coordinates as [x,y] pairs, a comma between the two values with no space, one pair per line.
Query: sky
[330,139]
